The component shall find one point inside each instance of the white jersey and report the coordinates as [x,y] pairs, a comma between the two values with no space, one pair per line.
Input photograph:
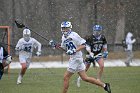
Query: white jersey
[26,48]
[72,42]
[130,41]
[1,54]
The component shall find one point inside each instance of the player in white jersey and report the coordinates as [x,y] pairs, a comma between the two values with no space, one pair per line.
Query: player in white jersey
[25,48]
[5,59]
[130,40]
[73,44]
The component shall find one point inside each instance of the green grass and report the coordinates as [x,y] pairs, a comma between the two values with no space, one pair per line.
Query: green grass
[122,80]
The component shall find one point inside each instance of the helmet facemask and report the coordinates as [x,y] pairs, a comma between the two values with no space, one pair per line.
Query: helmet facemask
[66,28]
[97,33]
[65,31]
[97,30]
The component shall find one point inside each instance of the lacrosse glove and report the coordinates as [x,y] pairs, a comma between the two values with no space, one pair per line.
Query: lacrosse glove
[71,51]
[105,54]
[38,53]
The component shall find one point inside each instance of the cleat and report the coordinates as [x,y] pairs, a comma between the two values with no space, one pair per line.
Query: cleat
[127,64]
[19,80]
[78,82]
[107,87]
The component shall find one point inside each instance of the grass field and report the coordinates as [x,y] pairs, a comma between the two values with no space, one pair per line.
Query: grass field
[122,80]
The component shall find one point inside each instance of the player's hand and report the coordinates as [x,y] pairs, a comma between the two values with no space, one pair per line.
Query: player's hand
[20,48]
[105,54]
[38,53]
[91,54]
[9,59]
[71,51]
[52,43]
[17,49]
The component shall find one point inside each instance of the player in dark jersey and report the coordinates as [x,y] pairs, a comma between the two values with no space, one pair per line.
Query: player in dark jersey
[5,60]
[97,51]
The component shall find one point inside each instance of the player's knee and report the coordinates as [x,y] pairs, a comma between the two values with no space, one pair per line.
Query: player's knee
[84,79]
[24,67]
[102,67]
[65,78]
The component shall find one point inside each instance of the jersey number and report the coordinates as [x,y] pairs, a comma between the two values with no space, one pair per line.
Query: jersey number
[70,45]
[97,47]
[27,49]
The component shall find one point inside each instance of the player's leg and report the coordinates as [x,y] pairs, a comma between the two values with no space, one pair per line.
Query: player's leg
[92,80]
[129,57]
[100,61]
[3,64]
[25,62]
[22,72]
[1,70]
[87,64]
[67,77]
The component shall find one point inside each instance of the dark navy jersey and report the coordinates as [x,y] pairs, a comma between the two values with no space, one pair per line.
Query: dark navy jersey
[5,53]
[96,43]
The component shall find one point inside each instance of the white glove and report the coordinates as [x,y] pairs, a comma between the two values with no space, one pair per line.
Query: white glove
[20,48]
[91,54]
[71,51]
[38,53]
[17,48]
[9,59]
[105,54]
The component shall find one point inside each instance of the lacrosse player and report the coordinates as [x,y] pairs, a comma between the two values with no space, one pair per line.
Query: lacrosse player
[5,60]
[129,49]
[73,44]
[97,49]
[25,48]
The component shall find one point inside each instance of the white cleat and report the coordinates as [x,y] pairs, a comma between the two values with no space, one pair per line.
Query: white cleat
[78,82]
[19,80]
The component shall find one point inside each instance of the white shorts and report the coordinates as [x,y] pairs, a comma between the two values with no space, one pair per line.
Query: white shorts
[25,59]
[76,65]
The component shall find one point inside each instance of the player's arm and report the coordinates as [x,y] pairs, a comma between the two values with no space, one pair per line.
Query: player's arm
[5,53]
[38,45]
[88,48]
[105,51]
[80,47]
[73,51]
[78,40]
[6,57]
[19,45]
[133,41]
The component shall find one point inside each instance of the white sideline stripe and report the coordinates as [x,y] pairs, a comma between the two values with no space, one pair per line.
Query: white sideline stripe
[58,64]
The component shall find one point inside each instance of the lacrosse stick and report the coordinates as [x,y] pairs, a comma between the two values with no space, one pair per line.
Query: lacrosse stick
[20,25]
[52,44]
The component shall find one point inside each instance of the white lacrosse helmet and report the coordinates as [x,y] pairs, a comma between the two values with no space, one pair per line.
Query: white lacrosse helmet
[26,34]
[66,27]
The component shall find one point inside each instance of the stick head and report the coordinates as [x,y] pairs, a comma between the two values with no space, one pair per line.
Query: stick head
[19,25]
